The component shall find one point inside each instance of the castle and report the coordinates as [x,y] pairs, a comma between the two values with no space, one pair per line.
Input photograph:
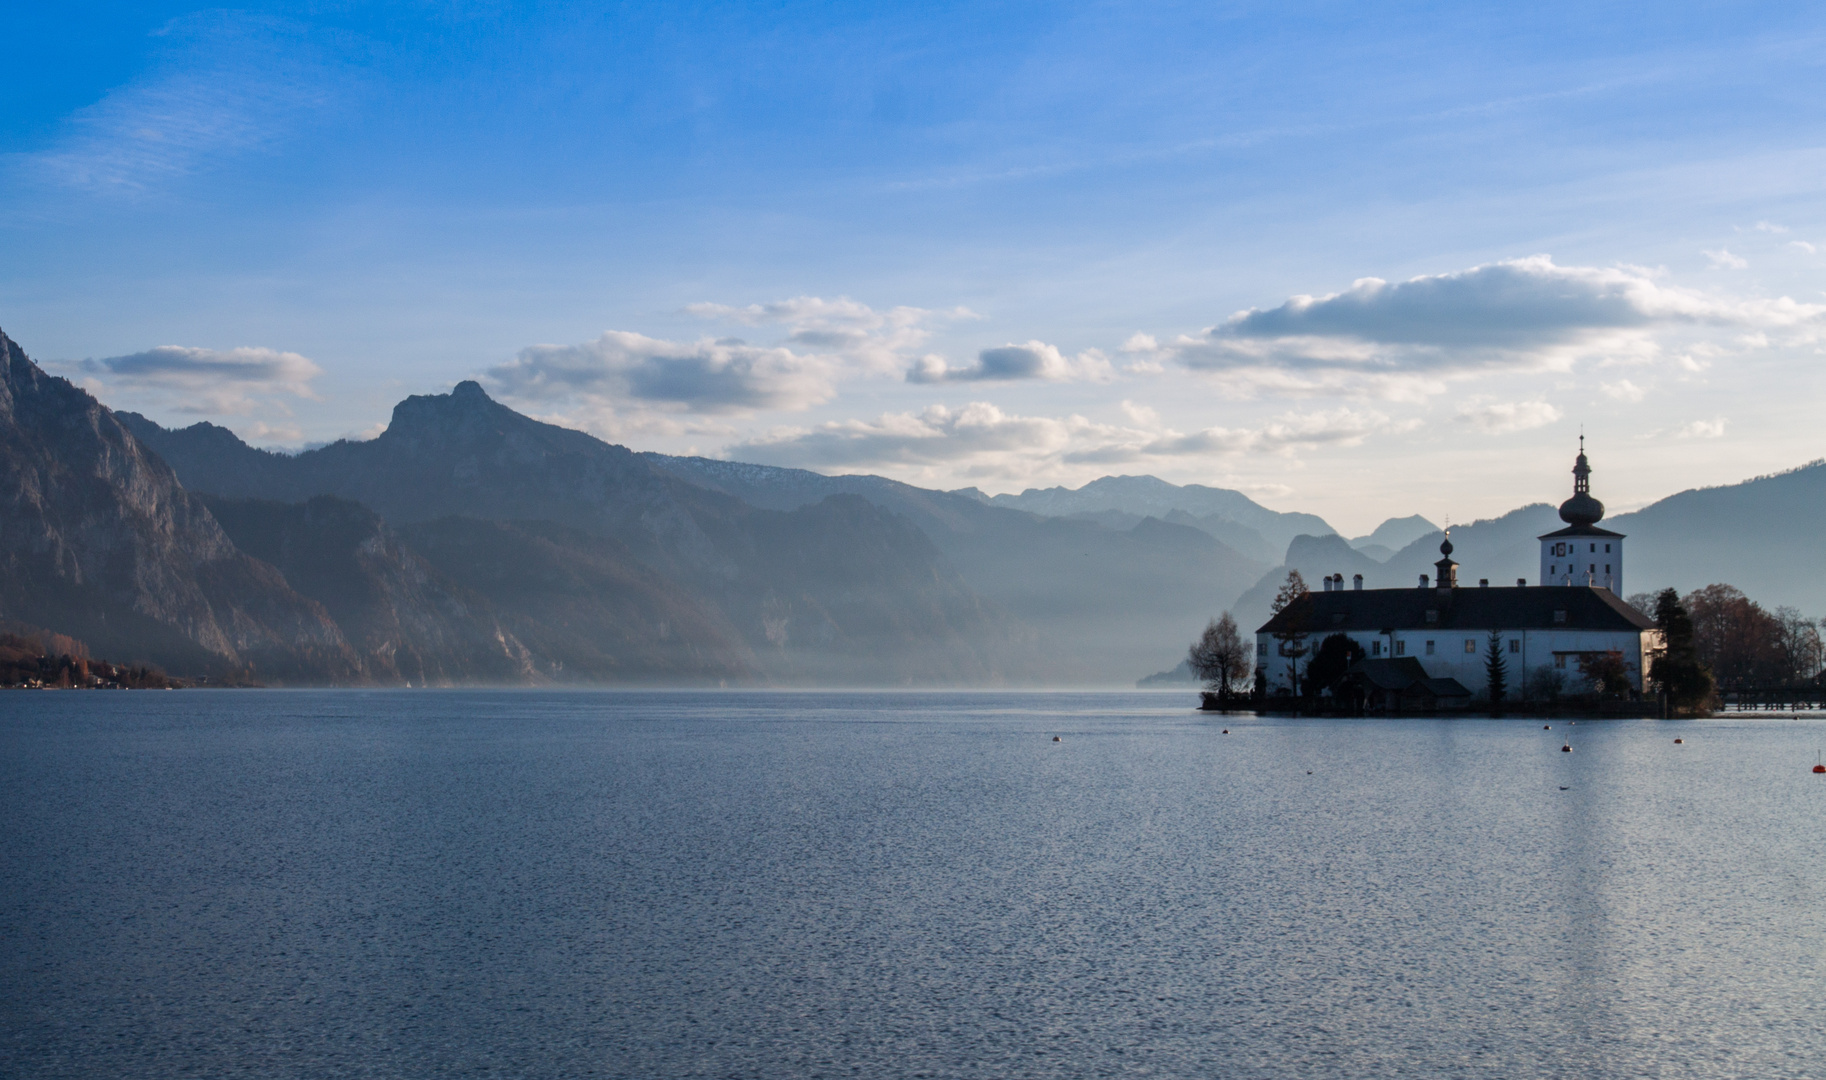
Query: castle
[1428,646]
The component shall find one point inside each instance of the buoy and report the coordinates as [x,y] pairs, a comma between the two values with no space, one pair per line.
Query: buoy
[1055,738]
[1308,772]
[1546,727]
[1678,742]
[1819,768]
[1563,787]
[1566,749]
[1226,731]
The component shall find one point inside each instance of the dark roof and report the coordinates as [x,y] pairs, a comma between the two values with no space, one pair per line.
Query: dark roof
[1579,530]
[1404,673]
[1512,607]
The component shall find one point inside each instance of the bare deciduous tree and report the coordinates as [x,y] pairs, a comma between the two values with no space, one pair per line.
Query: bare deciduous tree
[1220,657]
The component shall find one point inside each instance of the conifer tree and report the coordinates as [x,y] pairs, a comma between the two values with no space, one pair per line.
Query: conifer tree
[1686,682]
[1496,669]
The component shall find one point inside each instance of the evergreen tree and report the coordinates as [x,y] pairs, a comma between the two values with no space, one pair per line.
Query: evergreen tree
[1686,682]
[1496,669]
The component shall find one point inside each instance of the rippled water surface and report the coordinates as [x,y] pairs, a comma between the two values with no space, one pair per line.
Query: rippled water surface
[306,884]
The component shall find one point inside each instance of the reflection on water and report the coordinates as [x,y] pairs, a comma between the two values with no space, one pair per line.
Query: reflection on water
[591,884]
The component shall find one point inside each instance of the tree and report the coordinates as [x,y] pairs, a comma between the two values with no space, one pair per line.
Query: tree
[1496,669]
[1677,671]
[1605,671]
[1733,636]
[1545,683]
[1334,657]
[1801,647]
[1292,600]
[1219,656]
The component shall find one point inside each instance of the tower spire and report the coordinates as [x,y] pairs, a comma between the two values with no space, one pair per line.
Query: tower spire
[1581,509]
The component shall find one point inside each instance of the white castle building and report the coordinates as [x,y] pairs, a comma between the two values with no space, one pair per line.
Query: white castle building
[1427,646]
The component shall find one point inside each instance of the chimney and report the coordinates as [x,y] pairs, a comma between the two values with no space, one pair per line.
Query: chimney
[1328,583]
[1483,583]
[1521,583]
[1356,582]
[1423,581]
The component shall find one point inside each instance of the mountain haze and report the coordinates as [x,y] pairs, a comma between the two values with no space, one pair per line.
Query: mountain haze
[840,591]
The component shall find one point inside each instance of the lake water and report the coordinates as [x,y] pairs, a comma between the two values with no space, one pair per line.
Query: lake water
[520,884]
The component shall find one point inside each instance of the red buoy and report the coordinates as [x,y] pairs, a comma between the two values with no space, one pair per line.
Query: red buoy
[1566,749]
[1226,731]
[1546,727]
[1678,742]
[1055,738]
[1819,768]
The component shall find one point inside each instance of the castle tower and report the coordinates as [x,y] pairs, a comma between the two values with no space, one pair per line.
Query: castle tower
[1582,553]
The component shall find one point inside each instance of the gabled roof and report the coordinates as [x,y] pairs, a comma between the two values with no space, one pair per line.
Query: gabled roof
[1510,607]
[1580,530]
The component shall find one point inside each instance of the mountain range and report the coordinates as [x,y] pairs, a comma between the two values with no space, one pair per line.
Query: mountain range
[471,544]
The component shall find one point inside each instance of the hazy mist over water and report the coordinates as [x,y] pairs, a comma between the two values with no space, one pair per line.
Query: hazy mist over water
[341,883]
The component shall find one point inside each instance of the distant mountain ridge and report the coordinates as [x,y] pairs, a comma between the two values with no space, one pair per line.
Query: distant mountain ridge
[837,592]
[1229,515]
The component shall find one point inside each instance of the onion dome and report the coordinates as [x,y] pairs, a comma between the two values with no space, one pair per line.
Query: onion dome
[1581,509]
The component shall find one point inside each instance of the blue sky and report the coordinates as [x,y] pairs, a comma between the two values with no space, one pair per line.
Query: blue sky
[1000,245]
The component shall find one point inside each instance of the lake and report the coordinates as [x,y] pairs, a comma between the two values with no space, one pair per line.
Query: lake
[615,884]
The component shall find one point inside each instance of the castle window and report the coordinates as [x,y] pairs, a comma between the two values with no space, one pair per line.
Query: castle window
[1607,568]
[1375,648]
[1429,648]
[1401,648]
[1559,659]
[1515,645]
[1261,648]
[1594,568]
[1594,547]
[1607,549]
[1470,645]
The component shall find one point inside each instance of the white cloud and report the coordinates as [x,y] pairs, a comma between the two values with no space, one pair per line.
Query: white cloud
[1508,416]
[872,340]
[720,375]
[1407,340]
[1703,429]
[1804,246]
[1623,390]
[1722,259]
[982,440]
[1769,227]
[211,382]
[1032,360]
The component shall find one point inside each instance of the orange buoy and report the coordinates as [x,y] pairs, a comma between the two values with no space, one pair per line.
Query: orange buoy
[1678,742]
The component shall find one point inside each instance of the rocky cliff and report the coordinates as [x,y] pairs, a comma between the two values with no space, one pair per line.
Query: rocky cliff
[98,540]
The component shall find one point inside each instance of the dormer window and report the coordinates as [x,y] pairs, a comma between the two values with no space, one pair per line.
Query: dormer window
[1559,616]
[1432,616]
